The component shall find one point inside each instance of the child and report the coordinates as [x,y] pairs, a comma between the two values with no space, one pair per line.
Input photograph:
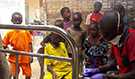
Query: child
[53,44]
[20,40]
[95,14]
[77,34]
[58,69]
[97,50]
[76,31]
[66,15]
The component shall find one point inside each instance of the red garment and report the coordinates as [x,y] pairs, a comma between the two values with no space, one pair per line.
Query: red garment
[128,51]
[96,17]
[116,53]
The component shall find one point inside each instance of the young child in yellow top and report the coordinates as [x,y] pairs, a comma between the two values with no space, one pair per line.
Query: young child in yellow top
[57,69]
[54,45]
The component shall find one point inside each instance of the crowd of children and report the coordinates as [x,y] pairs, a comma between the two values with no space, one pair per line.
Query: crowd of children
[99,57]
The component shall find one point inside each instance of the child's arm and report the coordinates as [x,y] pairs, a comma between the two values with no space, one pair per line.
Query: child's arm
[5,40]
[50,69]
[41,62]
[111,64]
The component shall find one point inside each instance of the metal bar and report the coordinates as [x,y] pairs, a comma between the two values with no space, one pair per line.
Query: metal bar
[17,66]
[69,40]
[33,27]
[36,55]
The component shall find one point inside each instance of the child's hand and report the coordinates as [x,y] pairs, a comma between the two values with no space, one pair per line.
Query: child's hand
[90,71]
[112,76]
[54,75]
[31,59]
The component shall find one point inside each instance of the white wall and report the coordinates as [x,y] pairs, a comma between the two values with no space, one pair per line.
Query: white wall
[7,7]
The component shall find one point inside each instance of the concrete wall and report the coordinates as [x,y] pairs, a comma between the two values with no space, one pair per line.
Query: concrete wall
[39,8]
[83,6]
[32,10]
[54,7]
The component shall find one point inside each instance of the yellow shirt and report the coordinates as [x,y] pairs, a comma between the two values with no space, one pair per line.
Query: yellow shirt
[61,68]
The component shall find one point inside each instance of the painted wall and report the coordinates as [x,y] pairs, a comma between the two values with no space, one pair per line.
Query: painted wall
[32,10]
[7,7]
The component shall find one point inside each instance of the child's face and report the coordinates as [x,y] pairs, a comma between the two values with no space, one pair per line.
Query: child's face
[97,7]
[76,20]
[67,13]
[93,30]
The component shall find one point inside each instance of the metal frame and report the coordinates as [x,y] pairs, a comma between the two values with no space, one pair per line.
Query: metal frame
[69,40]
